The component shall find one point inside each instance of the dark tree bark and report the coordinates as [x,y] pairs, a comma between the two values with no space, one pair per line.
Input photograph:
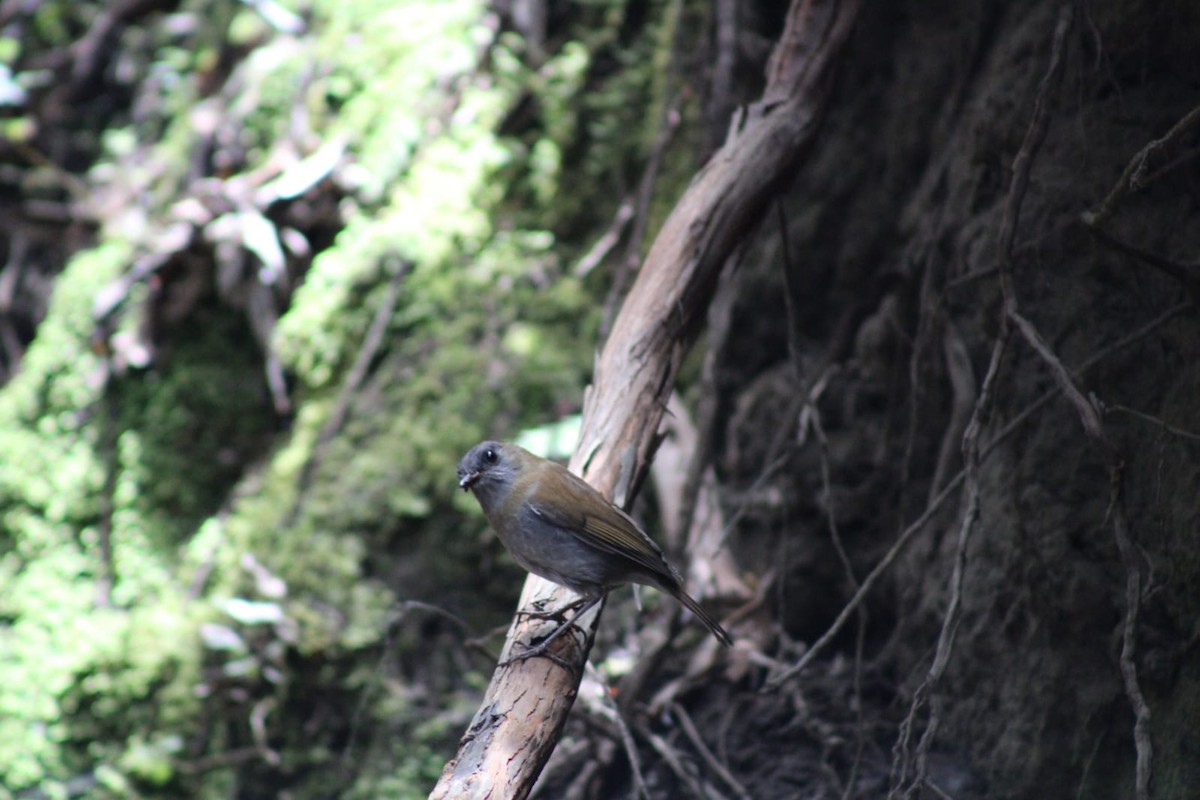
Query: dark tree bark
[1002,463]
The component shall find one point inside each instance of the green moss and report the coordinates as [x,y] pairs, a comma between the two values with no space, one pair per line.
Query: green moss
[185,435]
[258,573]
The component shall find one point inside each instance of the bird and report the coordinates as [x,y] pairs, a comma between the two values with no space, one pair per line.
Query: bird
[558,527]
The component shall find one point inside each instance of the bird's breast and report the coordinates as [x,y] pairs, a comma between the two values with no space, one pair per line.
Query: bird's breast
[559,555]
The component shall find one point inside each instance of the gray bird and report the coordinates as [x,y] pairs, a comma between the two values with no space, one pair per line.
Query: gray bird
[560,528]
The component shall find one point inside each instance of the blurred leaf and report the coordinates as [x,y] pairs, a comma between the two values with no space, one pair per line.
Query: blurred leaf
[305,174]
[221,637]
[250,612]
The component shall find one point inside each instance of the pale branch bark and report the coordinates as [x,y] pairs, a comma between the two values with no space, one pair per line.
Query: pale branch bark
[725,201]
[526,705]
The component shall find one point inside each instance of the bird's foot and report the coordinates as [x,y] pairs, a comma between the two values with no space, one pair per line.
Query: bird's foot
[559,615]
[540,651]
[580,608]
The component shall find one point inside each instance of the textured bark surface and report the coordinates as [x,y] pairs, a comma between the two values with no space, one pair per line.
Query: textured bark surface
[1034,612]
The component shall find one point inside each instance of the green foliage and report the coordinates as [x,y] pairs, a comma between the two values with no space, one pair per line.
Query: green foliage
[205,422]
[256,577]
[388,70]
[70,670]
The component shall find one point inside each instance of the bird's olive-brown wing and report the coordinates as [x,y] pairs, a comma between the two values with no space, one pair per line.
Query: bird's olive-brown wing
[584,512]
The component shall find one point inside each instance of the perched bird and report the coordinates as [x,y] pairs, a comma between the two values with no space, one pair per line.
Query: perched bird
[557,526]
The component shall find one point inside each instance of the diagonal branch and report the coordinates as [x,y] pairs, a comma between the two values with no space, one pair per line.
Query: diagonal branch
[526,704]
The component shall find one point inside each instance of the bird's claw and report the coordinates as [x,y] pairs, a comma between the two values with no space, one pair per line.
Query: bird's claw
[542,651]
[558,615]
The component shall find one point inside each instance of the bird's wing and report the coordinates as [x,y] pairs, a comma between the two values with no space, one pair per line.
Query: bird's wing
[604,526]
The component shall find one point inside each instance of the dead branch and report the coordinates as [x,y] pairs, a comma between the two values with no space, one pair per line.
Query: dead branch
[526,704]
[1134,176]
[599,703]
[945,645]
[904,784]
[701,790]
[1153,420]
[935,504]
[1093,426]
[1188,274]
[1089,412]
[693,735]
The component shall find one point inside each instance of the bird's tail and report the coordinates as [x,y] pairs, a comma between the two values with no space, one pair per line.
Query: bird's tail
[690,603]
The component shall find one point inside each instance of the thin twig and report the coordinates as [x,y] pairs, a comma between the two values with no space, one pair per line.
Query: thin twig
[789,295]
[927,316]
[945,645]
[868,583]
[718,323]
[354,379]
[861,633]
[1093,426]
[600,702]
[604,245]
[574,762]
[635,764]
[939,791]
[1166,426]
[830,509]
[1035,134]
[1187,274]
[1091,361]
[935,504]
[963,397]
[673,760]
[693,735]
[1133,595]
[1135,171]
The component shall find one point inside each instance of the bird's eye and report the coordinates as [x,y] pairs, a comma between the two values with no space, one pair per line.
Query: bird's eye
[489,456]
